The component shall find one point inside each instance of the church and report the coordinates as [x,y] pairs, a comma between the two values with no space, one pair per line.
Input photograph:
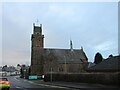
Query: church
[45,60]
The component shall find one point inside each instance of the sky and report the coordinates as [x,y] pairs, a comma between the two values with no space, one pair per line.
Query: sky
[92,25]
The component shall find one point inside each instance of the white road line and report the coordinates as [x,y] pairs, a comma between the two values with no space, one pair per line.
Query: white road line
[30,82]
[44,85]
[51,86]
[17,87]
[25,80]
[22,88]
[16,79]
[58,87]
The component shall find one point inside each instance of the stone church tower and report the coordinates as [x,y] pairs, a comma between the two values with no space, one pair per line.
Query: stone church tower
[43,60]
[37,46]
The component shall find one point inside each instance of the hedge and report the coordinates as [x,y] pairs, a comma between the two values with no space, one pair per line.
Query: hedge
[102,78]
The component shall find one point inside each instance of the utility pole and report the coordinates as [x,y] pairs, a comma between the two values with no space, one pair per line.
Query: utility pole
[65,65]
[51,75]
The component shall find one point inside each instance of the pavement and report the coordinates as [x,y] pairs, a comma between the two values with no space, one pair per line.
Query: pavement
[76,86]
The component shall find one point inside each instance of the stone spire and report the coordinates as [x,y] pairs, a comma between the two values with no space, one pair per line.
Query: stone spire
[71,45]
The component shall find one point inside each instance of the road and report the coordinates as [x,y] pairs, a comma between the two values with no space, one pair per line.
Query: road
[22,84]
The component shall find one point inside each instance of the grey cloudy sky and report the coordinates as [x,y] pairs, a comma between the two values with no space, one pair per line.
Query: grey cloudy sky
[93,25]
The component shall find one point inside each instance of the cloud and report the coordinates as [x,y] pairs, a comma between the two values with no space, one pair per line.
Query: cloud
[91,25]
[13,57]
[104,46]
[0,33]
[59,0]
[61,11]
[119,28]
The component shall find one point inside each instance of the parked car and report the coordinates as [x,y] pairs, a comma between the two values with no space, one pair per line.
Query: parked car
[4,83]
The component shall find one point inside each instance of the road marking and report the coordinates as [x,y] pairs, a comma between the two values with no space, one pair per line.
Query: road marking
[51,86]
[16,79]
[17,87]
[30,82]
[59,87]
[44,85]
[22,88]
[25,80]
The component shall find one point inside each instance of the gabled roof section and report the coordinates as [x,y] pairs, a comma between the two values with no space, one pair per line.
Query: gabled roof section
[111,64]
[66,55]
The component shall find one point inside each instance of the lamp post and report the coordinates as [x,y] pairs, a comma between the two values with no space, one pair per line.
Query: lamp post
[65,65]
[51,75]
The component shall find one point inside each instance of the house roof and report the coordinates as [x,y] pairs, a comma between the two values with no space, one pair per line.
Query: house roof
[66,55]
[109,64]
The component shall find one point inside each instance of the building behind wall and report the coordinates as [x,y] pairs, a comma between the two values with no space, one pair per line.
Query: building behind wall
[110,64]
[44,60]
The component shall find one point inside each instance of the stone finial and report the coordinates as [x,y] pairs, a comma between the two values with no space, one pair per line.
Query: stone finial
[41,25]
[33,24]
[81,47]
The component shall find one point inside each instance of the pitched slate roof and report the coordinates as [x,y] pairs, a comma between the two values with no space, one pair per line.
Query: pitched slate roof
[110,64]
[66,55]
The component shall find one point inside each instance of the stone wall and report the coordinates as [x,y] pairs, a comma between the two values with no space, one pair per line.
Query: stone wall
[101,78]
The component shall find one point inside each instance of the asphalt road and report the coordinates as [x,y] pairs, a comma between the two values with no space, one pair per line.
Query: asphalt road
[21,84]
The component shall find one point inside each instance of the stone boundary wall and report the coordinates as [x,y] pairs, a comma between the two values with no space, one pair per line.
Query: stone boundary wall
[101,78]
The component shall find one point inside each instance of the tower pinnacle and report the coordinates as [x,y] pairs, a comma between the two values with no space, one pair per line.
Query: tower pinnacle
[71,45]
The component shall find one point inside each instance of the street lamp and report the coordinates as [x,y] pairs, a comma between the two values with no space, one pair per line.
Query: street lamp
[51,75]
[65,65]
